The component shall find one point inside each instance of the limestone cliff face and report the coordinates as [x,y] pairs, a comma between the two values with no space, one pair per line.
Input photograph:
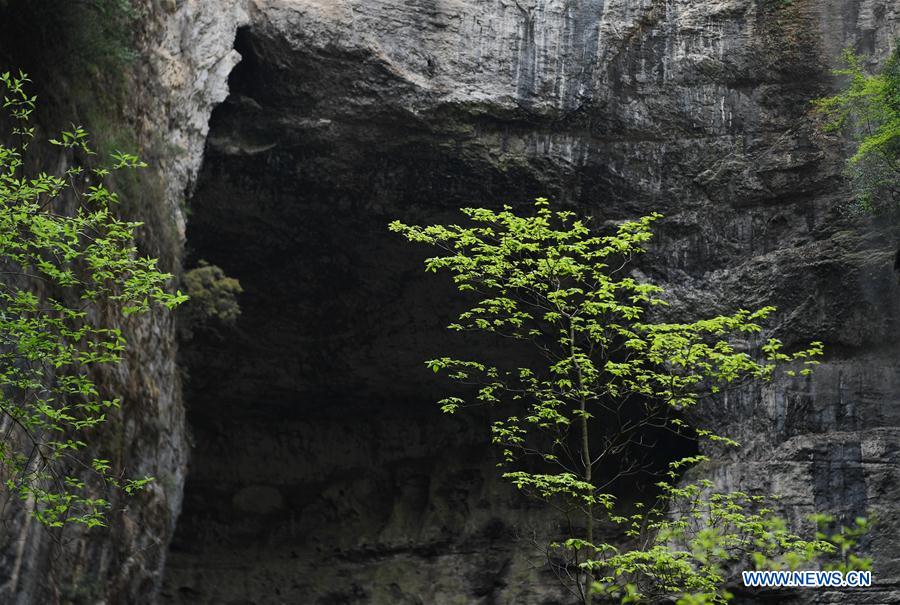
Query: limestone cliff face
[320,473]
[320,470]
[185,55]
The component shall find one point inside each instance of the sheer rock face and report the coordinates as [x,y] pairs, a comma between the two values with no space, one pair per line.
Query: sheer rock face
[321,472]
[186,54]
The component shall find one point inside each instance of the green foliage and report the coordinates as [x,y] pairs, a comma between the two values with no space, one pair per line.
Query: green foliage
[213,296]
[82,53]
[844,541]
[868,110]
[85,35]
[690,543]
[106,32]
[607,376]
[71,275]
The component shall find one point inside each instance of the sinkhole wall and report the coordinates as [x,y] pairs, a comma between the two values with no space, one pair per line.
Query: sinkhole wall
[320,471]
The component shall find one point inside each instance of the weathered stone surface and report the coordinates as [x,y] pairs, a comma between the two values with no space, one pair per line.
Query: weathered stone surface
[346,114]
[321,472]
[186,52]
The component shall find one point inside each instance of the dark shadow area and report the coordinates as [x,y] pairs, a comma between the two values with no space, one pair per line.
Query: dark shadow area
[323,471]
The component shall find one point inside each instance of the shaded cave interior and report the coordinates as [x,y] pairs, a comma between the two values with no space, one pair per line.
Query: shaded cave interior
[321,469]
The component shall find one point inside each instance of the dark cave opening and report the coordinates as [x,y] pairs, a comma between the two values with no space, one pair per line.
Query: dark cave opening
[322,471]
[319,451]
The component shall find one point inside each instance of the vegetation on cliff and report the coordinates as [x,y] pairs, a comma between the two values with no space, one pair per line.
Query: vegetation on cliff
[596,384]
[213,298]
[71,278]
[868,110]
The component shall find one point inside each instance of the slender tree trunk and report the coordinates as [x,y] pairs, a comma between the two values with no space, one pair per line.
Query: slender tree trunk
[586,458]
[589,514]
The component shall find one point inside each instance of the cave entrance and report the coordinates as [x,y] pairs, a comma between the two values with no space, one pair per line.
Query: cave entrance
[322,472]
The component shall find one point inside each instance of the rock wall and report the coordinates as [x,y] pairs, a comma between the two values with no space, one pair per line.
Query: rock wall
[321,472]
[185,52]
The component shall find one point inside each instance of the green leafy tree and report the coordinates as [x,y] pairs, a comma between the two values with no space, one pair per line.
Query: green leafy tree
[602,379]
[70,274]
[868,110]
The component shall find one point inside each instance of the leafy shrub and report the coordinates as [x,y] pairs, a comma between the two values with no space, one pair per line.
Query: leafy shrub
[868,110]
[71,277]
[213,296]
